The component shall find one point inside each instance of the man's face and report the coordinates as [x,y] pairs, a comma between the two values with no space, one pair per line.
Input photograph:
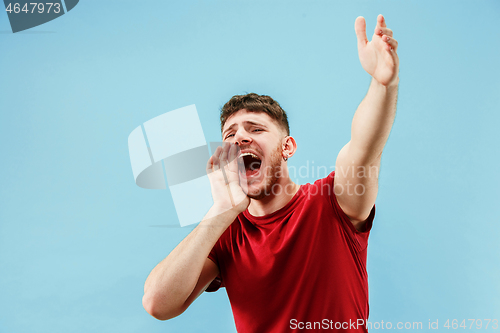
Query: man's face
[260,141]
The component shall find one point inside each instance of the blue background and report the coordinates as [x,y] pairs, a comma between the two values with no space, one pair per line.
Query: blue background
[77,236]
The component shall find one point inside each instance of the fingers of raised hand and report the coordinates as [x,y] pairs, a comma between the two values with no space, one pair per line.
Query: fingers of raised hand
[234,152]
[386,35]
[360,29]
[381,21]
[215,160]
[225,157]
[383,31]
[224,153]
[390,43]
[228,156]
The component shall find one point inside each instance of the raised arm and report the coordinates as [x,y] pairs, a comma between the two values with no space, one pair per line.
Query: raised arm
[358,162]
[186,272]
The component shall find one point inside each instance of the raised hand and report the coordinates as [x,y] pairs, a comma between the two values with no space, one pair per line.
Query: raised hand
[378,57]
[223,173]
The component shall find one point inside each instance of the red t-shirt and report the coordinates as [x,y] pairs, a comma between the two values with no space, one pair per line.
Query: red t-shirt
[302,267]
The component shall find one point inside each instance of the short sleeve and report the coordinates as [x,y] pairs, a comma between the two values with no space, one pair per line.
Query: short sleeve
[217,282]
[359,238]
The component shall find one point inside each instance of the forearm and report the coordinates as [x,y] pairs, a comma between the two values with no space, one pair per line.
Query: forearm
[372,122]
[172,281]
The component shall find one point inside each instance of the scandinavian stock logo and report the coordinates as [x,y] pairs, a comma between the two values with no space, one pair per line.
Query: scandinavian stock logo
[25,15]
[171,151]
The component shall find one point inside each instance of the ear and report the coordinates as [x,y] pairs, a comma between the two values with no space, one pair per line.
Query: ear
[289,146]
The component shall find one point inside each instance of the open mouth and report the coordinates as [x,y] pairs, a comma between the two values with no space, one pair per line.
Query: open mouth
[252,164]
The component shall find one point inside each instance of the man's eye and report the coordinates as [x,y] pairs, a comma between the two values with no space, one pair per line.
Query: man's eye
[257,130]
[230,135]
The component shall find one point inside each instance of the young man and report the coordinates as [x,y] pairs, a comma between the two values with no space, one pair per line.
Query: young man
[291,257]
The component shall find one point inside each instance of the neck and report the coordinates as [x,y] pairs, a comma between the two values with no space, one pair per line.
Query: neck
[274,202]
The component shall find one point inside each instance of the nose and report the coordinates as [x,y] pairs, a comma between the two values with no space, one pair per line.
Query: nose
[241,137]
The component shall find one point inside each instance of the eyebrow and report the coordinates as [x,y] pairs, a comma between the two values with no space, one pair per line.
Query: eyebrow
[245,122]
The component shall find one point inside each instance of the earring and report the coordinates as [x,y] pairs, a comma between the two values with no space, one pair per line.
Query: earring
[285,158]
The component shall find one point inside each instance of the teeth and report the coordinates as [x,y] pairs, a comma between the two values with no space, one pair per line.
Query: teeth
[250,154]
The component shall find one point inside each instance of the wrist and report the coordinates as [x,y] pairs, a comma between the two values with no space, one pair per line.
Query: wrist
[393,84]
[221,215]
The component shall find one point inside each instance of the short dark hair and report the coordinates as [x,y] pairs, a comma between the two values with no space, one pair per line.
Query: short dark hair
[255,103]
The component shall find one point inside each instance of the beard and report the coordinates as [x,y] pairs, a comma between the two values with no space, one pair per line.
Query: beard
[271,176]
